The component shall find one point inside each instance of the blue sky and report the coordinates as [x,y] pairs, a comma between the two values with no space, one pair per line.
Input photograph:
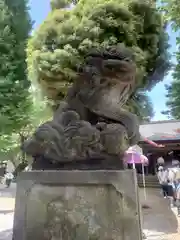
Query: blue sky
[39,11]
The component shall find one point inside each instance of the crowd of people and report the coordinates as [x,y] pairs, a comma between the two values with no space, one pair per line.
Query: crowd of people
[169,179]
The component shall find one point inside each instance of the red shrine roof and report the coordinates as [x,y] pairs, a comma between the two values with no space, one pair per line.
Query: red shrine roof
[161,130]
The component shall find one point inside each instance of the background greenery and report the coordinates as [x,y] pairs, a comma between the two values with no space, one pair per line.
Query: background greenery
[171,8]
[59,46]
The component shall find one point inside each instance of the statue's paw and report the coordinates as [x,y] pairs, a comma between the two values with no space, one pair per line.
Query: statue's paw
[131,123]
[83,138]
[114,139]
[66,118]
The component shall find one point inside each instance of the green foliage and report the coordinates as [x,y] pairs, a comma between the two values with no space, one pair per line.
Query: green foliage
[141,105]
[38,114]
[15,25]
[58,4]
[171,9]
[62,41]
[173,93]
[10,144]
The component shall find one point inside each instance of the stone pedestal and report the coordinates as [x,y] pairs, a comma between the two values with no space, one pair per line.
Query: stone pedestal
[77,205]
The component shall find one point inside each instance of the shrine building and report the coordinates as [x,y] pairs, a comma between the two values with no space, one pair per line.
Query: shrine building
[166,133]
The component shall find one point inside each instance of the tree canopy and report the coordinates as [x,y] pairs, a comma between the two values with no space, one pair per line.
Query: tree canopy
[15,99]
[59,46]
[15,25]
[172,14]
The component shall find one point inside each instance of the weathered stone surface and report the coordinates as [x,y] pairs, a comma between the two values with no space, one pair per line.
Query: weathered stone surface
[92,120]
[77,205]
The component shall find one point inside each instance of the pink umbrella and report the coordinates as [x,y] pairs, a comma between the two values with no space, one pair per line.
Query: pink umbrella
[133,157]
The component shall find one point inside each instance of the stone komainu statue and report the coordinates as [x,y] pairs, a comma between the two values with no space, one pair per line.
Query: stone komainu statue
[90,129]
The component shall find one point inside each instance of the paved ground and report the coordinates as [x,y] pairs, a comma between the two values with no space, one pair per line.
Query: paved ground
[7,202]
[159,221]
[6,226]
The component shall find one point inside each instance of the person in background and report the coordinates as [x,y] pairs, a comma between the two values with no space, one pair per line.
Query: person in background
[163,180]
[171,185]
[177,190]
[8,179]
[159,162]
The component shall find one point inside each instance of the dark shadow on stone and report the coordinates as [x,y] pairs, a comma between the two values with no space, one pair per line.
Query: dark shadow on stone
[111,162]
